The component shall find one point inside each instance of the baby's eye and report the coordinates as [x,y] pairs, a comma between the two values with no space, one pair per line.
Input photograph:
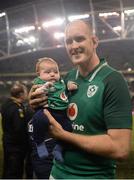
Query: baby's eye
[47,72]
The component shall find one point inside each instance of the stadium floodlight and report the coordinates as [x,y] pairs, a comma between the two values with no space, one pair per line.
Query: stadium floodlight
[80,16]
[107,14]
[129,12]
[39,28]
[30,40]
[2,14]
[20,42]
[24,29]
[117,28]
[58,35]
[54,22]
[129,69]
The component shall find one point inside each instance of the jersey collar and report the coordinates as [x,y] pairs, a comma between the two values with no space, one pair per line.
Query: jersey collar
[93,74]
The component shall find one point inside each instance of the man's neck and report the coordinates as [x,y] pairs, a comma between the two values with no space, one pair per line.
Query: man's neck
[88,67]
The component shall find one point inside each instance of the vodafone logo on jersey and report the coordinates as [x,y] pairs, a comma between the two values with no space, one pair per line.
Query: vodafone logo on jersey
[63,96]
[72,111]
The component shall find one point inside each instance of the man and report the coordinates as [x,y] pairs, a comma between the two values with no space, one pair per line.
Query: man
[15,137]
[100,111]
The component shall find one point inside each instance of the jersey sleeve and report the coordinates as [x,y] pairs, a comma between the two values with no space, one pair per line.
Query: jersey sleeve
[117,103]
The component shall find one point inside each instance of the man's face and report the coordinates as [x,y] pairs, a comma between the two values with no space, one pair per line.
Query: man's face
[79,43]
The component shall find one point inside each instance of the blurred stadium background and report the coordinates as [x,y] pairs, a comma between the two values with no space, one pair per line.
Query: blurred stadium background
[33,29]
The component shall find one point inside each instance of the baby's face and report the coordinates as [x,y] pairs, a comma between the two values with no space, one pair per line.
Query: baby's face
[49,71]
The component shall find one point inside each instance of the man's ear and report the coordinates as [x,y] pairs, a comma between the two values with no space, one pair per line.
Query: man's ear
[95,41]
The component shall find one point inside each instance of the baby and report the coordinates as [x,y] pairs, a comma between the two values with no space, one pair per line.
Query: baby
[52,84]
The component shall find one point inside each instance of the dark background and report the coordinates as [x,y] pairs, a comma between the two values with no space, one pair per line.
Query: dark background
[10,3]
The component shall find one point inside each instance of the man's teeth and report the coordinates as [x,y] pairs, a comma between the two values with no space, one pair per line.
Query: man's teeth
[76,51]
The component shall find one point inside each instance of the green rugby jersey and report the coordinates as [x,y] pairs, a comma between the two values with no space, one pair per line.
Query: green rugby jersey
[101,102]
[57,98]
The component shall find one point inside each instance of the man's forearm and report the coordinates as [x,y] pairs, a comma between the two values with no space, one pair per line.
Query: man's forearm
[115,144]
[104,145]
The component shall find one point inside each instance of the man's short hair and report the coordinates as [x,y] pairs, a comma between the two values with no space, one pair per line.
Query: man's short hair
[17,90]
[89,26]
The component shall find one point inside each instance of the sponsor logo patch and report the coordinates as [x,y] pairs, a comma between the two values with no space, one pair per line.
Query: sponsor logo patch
[72,111]
[63,96]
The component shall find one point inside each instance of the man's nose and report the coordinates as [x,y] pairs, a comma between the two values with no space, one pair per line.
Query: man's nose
[74,44]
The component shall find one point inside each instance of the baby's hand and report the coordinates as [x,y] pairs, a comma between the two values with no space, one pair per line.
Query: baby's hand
[48,85]
[72,85]
[45,87]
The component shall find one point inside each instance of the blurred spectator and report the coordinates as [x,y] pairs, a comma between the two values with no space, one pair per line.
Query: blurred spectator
[15,136]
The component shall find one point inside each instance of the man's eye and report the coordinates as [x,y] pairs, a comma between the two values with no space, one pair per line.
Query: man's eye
[76,39]
[69,41]
[79,38]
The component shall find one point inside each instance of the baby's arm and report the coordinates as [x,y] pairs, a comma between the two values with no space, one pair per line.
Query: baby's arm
[45,87]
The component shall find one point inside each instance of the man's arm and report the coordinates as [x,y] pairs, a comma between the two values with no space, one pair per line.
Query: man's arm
[115,144]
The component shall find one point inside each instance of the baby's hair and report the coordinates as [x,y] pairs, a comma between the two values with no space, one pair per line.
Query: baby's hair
[44,59]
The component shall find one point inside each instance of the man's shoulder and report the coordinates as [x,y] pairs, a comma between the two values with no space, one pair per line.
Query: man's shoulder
[7,103]
[6,100]
[115,81]
[109,72]
[114,75]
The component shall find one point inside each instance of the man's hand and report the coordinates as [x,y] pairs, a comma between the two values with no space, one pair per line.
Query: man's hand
[37,98]
[55,129]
